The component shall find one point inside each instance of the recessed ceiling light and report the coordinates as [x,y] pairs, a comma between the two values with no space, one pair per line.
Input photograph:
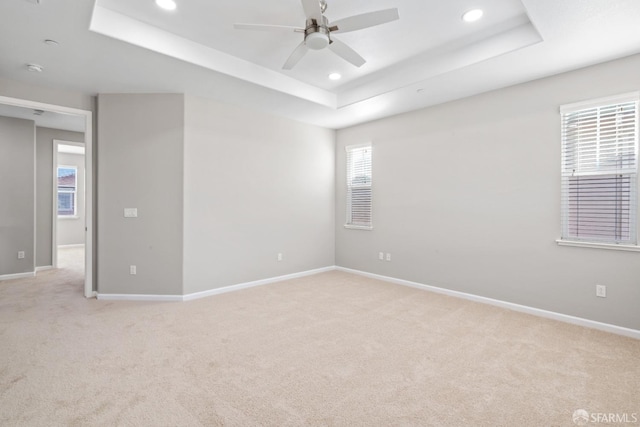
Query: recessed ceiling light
[35,68]
[166,4]
[335,76]
[472,15]
[51,42]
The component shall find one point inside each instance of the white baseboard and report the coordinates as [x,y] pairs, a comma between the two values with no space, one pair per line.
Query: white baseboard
[44,268]
[77,245]
[138,297]
[232,288]
[17,275]
[210,292]
[606,327]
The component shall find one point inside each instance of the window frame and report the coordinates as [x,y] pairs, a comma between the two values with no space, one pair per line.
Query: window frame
[349,187]
[565,239]
[74,193]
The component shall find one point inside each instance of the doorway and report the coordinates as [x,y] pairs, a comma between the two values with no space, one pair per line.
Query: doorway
[12,107]
[69,207]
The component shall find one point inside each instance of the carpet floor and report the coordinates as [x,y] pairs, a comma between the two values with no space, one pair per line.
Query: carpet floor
[333,349]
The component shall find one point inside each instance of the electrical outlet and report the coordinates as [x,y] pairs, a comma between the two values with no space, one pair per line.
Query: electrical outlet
[133,270]
[20,254]
[381,256]
[280,256]
[388,257]
[601,291]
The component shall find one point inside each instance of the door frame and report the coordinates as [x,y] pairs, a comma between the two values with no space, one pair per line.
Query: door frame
[88,164]
[54,226]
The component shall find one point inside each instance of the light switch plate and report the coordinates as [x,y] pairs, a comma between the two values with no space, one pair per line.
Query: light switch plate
[130,212]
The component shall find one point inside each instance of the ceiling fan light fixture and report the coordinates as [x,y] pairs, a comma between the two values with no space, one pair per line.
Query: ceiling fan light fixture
[317,41]
[472,15]
[166,4]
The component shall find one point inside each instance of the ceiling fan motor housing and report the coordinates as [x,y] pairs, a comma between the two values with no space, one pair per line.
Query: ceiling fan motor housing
[316,36]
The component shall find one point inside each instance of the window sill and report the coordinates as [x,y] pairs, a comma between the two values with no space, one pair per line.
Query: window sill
[358,227]
[610,246]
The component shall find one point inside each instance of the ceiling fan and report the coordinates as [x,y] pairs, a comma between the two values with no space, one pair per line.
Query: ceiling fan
[318,31]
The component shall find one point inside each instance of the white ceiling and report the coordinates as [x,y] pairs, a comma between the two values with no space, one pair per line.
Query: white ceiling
[428,56]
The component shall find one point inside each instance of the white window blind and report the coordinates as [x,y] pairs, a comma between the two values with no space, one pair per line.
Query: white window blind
[599,170]
[359,186]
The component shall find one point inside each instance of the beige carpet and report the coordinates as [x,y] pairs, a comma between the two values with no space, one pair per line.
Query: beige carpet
[327,350]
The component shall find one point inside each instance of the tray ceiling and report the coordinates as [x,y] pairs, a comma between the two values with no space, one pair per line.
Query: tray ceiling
[428,56]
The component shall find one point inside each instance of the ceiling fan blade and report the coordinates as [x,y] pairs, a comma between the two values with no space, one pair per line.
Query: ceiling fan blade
[312,9]
[346,53]
[262,27]
[365,20]
[296,56]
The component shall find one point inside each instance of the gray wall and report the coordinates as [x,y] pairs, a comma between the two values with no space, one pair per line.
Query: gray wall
[70,231]
[44,188]
[467,197]
[140,165]
[17,195]
[251,186]
[255,185]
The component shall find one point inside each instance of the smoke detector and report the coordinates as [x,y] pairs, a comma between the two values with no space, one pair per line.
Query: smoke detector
[35,68]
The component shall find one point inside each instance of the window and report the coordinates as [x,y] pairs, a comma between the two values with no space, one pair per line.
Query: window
[600,170]
[359,186]
[67,190]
